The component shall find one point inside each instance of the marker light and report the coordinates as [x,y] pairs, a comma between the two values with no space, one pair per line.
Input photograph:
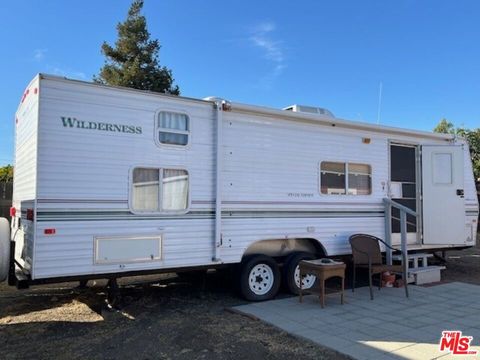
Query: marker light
[30,214]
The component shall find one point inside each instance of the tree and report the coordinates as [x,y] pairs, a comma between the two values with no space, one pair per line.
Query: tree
[6,173]
[472,137]
[134,61]
[444,127]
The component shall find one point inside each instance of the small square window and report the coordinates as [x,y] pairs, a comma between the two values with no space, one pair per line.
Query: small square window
[173,128]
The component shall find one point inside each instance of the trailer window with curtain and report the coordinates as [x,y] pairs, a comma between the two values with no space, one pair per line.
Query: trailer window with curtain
[172,128]
[359,179]
[332,179]
[340,178]
[175,190]
[159,190]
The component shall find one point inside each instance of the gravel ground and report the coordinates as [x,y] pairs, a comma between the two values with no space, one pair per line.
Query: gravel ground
[161,318]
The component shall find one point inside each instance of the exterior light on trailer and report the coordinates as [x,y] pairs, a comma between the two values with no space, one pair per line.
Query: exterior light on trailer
[49,231]
[226,106]
[13,212]
[366,140]
[30,214]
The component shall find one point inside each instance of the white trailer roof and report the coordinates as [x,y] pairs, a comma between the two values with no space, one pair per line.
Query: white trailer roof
[278,113]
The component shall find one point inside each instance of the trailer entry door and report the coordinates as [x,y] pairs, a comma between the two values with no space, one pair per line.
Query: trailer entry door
[403,189]
[443,198]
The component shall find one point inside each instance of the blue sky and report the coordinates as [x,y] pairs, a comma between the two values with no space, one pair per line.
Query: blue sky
[332,54]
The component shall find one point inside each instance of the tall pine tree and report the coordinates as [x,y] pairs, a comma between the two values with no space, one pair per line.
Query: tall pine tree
[133,62]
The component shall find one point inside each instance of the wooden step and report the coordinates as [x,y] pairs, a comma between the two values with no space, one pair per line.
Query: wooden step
[419,272]
[426,275]
[417,260]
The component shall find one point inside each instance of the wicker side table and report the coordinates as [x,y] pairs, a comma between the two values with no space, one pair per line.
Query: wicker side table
[322,272]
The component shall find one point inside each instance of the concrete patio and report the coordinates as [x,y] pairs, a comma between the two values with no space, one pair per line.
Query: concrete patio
[389,327]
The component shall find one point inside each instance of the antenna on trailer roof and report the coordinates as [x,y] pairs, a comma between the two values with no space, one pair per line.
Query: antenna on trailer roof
[379,102]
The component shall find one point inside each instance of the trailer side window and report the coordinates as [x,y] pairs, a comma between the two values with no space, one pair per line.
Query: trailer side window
[172,128]
[359,179]
[159,190]
[332,178]
[174,189]
[145,189]
[338,178]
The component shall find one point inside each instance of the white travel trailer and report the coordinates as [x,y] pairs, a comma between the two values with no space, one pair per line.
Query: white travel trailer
[111,182]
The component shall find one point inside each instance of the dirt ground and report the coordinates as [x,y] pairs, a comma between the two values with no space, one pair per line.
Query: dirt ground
[463,265]
[170,319]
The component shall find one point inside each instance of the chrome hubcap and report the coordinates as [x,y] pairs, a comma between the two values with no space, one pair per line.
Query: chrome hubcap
[261,279]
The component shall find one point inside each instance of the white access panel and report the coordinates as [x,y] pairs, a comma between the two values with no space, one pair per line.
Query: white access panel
[443,198]
[126,249]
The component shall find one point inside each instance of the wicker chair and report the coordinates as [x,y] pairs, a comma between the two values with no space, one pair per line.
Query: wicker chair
[367,254]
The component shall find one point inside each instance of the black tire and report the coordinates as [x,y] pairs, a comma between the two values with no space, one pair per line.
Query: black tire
[289,268]
[264,287]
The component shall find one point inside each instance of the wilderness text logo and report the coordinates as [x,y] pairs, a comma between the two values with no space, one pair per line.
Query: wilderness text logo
[71,122]
[457,344]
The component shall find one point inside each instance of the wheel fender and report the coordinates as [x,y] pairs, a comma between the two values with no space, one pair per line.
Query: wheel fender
[4,248]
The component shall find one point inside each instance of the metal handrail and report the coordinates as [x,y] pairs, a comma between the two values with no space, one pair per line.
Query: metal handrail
[408,222]
[389,203]
[400,206]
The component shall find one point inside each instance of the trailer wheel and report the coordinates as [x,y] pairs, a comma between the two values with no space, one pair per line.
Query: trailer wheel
[259,278]
[291,273]
[4,248]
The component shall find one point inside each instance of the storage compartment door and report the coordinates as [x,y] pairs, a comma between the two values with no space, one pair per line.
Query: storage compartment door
[127,249]
[443,200]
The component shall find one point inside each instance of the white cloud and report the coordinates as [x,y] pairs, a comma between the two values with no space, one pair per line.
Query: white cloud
[265,27]
[273,51]
[39,54]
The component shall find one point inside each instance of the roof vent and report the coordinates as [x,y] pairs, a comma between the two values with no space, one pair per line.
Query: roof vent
[310,110]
